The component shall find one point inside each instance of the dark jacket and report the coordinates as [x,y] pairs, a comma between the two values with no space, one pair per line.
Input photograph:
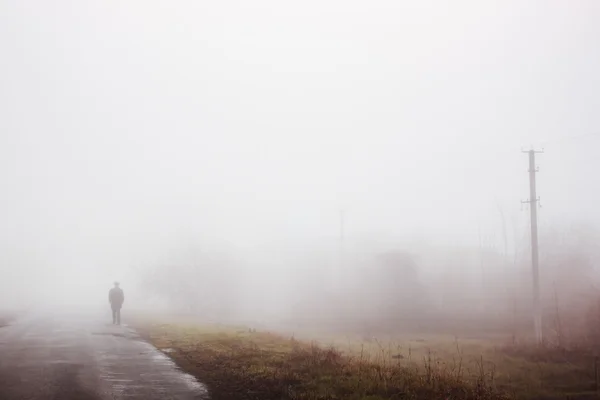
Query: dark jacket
[116,297]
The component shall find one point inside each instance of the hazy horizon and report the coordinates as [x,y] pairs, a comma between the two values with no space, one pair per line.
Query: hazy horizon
[132,130]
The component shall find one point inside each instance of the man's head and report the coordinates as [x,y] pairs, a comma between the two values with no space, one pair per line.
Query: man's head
[116,284]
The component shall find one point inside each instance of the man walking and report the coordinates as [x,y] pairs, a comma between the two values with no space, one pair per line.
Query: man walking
[116,297]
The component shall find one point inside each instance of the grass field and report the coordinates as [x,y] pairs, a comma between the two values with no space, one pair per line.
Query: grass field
[239,363]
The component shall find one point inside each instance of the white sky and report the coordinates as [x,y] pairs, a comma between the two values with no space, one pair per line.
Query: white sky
[128,126]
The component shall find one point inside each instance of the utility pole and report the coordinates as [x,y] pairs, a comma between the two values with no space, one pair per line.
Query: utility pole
[533,205]
[341,264]
[482,304]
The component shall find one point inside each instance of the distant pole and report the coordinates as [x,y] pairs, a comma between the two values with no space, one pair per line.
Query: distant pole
[480,256]
[342,220]
[504,236]
[482,305]
[533,202]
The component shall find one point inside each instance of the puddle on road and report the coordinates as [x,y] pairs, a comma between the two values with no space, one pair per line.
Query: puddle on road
[115,334]
[159,357]
[194,385]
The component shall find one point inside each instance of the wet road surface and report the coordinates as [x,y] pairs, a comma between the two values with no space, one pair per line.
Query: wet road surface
[81,357]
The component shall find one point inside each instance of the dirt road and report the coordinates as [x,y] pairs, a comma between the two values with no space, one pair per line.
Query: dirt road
[81,357]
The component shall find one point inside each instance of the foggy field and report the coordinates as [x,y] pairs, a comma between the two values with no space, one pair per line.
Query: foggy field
[242,363]
[405,188]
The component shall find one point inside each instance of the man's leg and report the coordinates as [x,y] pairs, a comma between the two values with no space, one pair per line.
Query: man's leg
[119,316]
[114,315]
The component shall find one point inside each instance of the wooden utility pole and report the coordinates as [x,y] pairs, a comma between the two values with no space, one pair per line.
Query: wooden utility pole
[338,268]
[533,205]
[342,220]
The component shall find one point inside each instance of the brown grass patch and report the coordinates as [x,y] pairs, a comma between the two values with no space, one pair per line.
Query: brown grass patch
[243,364]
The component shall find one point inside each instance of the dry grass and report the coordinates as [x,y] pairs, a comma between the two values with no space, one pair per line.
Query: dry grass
[238,363]
[546,372]
[521,370]
[243,364]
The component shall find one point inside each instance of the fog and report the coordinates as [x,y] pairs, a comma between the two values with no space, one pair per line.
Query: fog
[138,137]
